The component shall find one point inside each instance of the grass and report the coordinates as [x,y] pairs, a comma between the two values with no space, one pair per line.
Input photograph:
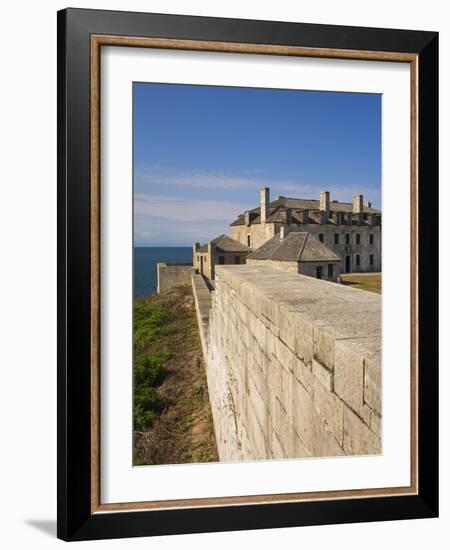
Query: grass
[172,415]
[368,281]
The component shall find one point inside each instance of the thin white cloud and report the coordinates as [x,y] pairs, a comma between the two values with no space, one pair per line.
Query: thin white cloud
[341,193]
[180,209]
[252,179]
[159,230]
[204,180]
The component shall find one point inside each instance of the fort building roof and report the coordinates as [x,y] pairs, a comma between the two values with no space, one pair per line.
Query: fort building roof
[283,207]
[223,243]
[294,247]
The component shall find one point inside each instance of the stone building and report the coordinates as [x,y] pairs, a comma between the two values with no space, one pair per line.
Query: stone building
[222,250]
[351,230]
[298,252]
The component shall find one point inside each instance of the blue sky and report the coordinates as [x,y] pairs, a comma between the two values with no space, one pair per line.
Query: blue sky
[201,153]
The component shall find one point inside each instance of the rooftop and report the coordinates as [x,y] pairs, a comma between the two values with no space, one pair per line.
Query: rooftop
[224,243]
[294,247]
[278,210]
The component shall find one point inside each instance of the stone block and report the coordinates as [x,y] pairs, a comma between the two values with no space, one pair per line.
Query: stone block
[284,355]
[323,374]
[372,383]
[330,408]
[277,448]
[304,339]
[358,438]
[330,445]
[290,441]
[366,414]
[375,423]
[258,405]
[269,309]
[288,329]
[349,375]
[324,344]
[303,416]
[303,373]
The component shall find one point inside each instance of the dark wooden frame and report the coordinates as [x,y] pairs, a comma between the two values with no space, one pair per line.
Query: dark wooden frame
[80,35]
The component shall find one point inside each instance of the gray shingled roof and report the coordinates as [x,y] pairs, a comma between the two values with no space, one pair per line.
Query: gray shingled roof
[224,243]
[277,209]
[295,247]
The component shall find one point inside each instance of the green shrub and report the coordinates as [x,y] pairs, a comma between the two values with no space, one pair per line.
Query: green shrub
[148,322]
[149,369]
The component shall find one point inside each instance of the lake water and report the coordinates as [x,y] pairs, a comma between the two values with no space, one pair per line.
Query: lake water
[144,265]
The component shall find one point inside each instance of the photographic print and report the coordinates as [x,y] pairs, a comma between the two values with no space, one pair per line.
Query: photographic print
[247,296]
[257,274]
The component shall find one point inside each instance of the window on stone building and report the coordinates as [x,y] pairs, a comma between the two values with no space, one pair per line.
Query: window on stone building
[371,238]
[249,241]
[358,238]
[221,260]
[371,259]
[347,238]
[336,238]
[321,237]
[319,271]
[237,260]
[330,271]
[358,260]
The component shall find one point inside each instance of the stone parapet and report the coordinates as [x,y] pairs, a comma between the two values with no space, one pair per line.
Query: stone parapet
[169,275]
[203,300]
[293,365]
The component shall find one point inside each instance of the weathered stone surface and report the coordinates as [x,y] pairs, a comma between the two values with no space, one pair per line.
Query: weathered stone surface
[372,382]
[375,424]
[331,409]
[358,438]
[323,374]
[303,373]
[169,276]
[349,375]
[275,351]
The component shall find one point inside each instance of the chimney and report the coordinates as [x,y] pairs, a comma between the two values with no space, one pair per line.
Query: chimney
[325,202]
[357,204]
[368,204]
[374,219]
[264,199]
[304,216]
[288,216]
[281,232]
[247,217]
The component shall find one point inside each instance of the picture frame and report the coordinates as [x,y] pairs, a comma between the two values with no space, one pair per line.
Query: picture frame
[81,35]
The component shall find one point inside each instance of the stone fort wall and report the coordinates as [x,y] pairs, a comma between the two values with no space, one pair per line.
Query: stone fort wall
[293,366]
[172,275]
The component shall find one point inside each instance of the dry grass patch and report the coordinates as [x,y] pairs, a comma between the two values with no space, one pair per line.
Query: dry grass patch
[366,281]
